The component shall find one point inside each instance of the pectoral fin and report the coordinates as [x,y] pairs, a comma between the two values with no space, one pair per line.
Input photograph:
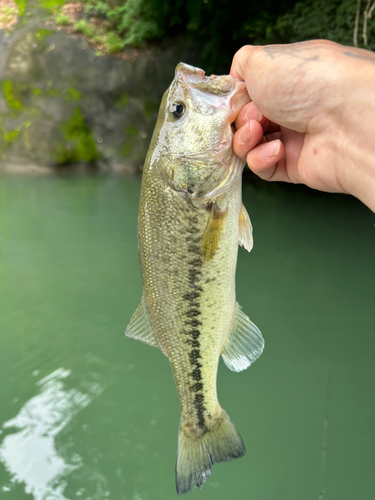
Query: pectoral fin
[139,327]
[212,233]
[245,235]
[244,344]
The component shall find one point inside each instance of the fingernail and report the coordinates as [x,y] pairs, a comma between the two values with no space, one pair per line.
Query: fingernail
[244,136]
[249,114]
[270,149]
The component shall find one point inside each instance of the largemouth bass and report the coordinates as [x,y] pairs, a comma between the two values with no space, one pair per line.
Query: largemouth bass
[190,222]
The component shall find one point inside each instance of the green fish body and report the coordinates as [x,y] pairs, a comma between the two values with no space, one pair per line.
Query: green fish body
[191,220]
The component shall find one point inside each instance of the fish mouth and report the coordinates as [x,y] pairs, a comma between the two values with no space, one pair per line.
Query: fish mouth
[196,77]
[224,85]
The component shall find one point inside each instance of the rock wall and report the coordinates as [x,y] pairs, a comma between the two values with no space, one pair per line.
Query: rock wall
[62,104]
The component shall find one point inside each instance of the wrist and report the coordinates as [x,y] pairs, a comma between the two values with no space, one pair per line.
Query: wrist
[356,158]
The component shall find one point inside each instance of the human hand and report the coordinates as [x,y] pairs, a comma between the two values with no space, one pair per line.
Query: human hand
[312,116]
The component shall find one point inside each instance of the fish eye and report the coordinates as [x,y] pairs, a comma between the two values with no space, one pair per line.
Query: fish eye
[177,109]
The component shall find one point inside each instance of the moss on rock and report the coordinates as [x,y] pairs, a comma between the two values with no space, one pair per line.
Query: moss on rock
[42,33]
[60,104]
[12,95]
[72,95]
[130,140]
[122,101]
[79,143]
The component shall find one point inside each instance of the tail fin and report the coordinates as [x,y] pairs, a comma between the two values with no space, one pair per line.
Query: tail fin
[197,454]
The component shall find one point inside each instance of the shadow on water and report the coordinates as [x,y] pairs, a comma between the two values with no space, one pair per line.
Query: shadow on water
[87,414]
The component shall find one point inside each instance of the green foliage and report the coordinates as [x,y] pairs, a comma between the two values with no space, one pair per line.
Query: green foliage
[132,19]
[219,27]
[330,19]
[47,4]
[61,19]
[51,4]
[21,6]
[87,29]
[113,43]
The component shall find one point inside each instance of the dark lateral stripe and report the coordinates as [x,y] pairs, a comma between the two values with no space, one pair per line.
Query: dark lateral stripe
[193,313]
[198,403]
[196,374]
[195,294]
[193,239]
[193,324]
[194,249]
[194,333]
[193,355]
[194,343]
[198,386]
[197,263]
[193,220]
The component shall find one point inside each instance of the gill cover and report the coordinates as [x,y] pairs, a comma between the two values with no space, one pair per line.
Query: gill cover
[196,135]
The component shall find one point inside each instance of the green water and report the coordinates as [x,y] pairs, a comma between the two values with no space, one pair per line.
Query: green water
[87,414]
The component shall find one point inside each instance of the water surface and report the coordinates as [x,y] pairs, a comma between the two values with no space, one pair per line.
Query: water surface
[87,414]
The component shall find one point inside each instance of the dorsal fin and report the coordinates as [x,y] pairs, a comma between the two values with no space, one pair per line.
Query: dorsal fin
[244,343]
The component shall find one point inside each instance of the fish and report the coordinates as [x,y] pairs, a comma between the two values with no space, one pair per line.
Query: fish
[190,222]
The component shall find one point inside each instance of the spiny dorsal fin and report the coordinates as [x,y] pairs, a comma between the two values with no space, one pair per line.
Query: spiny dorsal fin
[244,344]
[139,327]
[245,235]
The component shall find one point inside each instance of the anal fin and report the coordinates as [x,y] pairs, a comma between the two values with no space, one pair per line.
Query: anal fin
[245,234]
[139,327]
[244,344]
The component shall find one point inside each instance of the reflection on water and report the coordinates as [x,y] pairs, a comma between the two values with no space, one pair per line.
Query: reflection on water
[30,454]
